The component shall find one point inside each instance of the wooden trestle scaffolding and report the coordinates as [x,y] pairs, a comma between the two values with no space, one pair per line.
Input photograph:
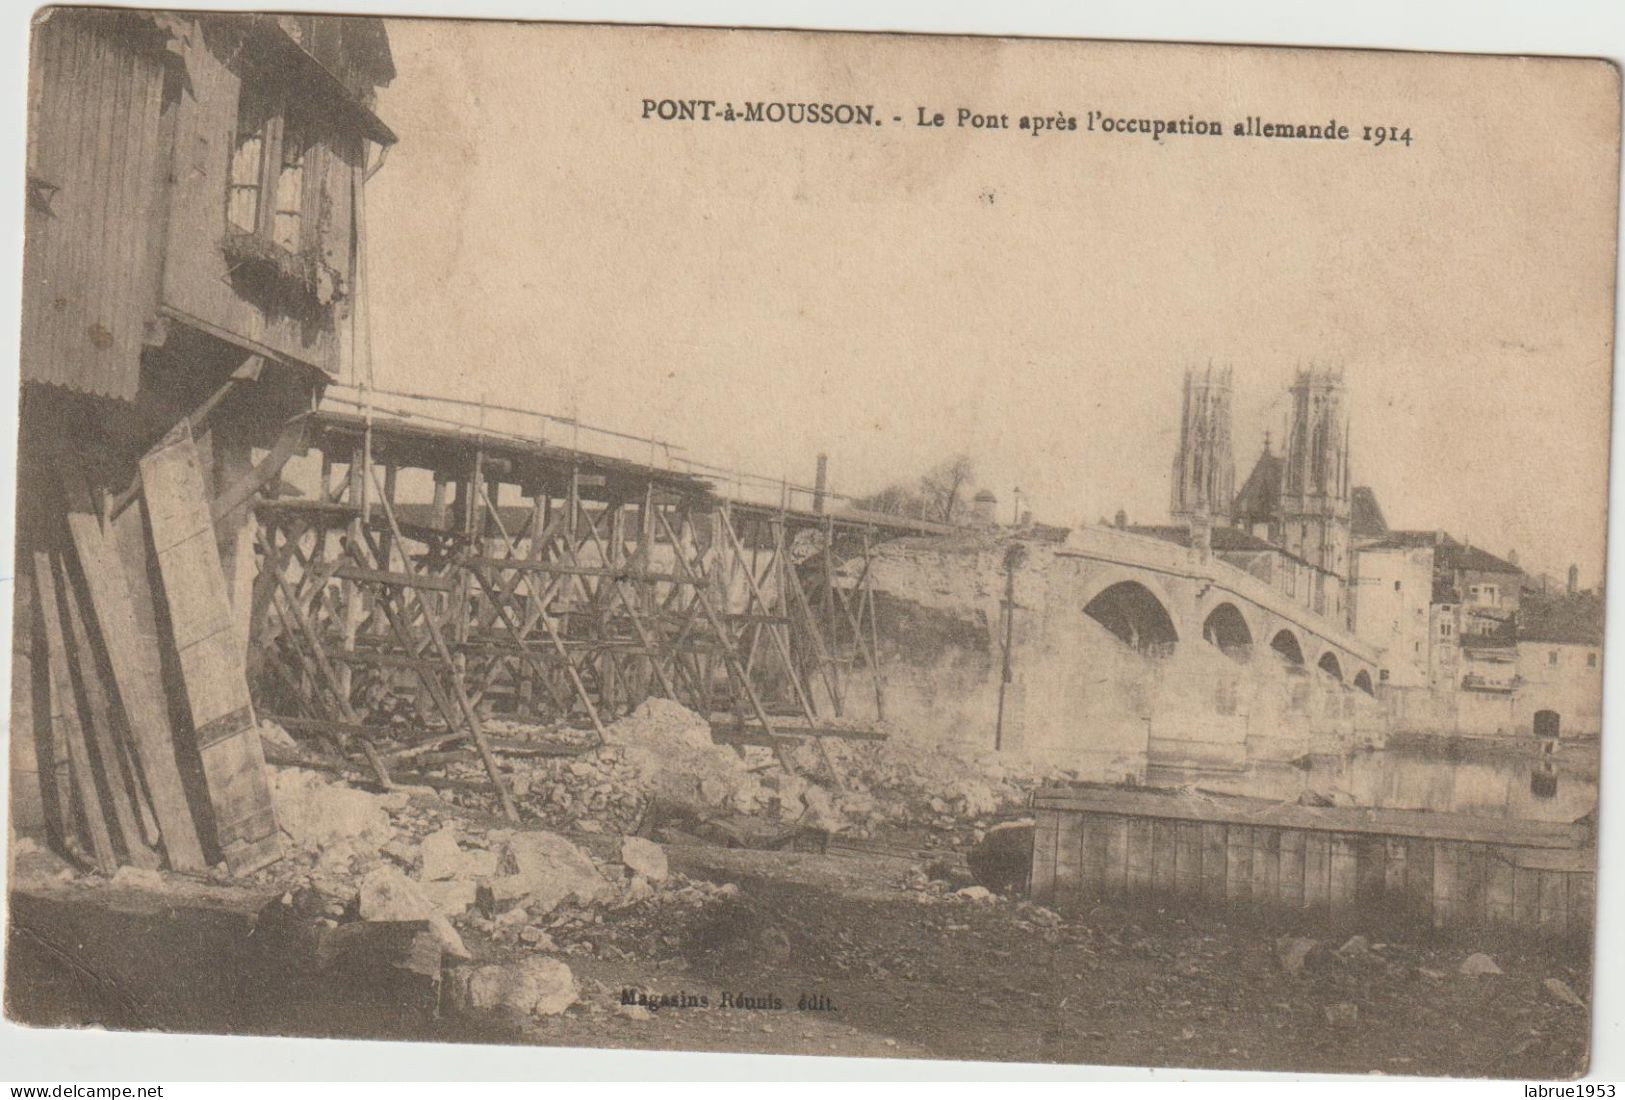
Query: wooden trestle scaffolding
[556,586]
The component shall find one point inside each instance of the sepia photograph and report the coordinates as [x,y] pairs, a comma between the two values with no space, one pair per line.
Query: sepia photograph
[923,547]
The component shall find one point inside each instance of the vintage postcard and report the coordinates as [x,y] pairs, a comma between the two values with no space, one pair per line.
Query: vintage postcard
[877,545]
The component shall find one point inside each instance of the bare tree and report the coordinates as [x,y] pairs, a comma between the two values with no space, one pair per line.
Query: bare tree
[944,485]
[936,496]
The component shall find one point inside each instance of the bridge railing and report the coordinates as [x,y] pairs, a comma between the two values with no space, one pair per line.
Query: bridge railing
[529,426]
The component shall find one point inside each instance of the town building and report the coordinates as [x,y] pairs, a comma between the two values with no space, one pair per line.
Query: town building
[1560,663]
[191,279]
[1471,646]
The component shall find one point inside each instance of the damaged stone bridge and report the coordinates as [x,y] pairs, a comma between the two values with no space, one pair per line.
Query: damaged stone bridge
[1156,594]
[1113,652]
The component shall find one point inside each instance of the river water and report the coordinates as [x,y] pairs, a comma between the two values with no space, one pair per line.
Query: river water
[1560,786]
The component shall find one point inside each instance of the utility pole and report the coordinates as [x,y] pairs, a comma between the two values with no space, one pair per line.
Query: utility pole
[1013,557]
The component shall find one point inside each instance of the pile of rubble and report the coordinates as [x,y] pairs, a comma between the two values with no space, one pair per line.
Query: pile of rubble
[406,856]
[664,753]
[944,786]
[663,756]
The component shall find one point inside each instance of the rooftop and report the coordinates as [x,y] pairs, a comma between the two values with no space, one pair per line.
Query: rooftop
[1365,514]
[1260,495]
[1563,619]
[1448,553]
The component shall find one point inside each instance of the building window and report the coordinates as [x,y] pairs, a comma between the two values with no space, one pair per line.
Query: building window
[248,160]
[1446,627]
[1396,586]
[267,194]
[1591,660]
[281,243]
[1551,658]
[1382,675]
[289,214]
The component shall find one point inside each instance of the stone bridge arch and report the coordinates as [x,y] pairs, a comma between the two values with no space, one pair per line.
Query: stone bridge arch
[1330,665]
[1225,624]
[1285,642]
[1134,607]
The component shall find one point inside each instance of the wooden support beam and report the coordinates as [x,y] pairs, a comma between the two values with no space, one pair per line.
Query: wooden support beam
[399,580]
[290,440]
[472,719]
[730,659]
[132,655]
[558,644]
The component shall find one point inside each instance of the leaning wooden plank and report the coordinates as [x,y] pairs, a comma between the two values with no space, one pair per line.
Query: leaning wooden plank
[1469,892]
[1188,860]
[1419,858]
[1525,896]
[1092,866]
[117,579]
[1316,871]
[211,666]
[1445,857]
[65,717]
[1266,867]
[1163,846]
[31,685]
[290,440]
[1069,861]
[99,719]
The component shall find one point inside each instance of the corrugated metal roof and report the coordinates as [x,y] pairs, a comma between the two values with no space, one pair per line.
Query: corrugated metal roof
[96,164]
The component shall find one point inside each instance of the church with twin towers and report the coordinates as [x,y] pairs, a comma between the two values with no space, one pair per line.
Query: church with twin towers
[1294,520]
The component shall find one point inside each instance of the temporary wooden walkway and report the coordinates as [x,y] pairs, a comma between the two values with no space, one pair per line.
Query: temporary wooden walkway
[1357,867]
[555,585]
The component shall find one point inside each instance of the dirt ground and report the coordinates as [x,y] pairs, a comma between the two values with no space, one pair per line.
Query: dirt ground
[855,962]
[1005,981]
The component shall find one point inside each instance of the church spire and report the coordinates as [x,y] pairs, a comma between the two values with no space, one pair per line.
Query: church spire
[1204,472]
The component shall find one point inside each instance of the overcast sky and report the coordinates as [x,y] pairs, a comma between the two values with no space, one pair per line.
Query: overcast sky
[893,294]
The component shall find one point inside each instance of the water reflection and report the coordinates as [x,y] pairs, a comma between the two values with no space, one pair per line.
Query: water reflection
[1543,780]
[1558,787]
